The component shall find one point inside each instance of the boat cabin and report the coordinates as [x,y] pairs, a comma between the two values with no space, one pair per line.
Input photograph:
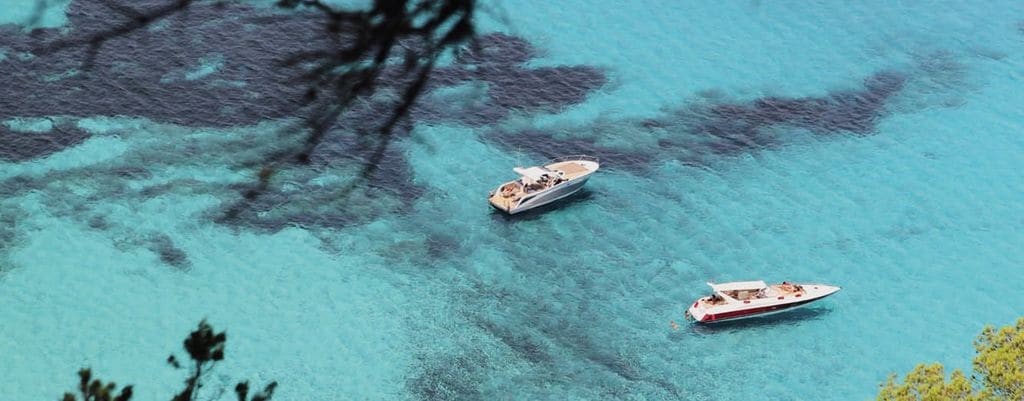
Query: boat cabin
[748,290]
[740,290]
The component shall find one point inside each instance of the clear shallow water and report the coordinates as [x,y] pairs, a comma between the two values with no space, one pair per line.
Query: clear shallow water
[918,219]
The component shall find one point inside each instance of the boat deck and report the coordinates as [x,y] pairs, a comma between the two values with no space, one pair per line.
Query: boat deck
[506,202]
[785,290]
[571,169]
[777,290]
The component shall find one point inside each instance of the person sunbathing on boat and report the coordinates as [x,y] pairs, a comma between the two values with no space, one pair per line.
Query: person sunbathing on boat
[790,287]
[714,299]
[509,190]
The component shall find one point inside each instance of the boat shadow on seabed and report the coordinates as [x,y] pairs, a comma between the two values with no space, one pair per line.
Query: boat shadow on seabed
[792,317]
[533,214]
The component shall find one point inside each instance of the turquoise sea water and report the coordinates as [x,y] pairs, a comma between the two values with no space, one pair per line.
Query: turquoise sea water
[918,218]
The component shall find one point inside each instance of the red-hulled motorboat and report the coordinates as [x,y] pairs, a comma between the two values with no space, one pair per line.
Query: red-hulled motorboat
[740,299]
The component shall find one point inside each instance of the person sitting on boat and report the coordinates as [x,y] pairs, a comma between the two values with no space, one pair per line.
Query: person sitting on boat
[508,190]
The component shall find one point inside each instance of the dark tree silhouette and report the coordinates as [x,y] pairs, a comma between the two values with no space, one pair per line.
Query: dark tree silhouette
[95,390]
[395,44]
[204,346]
[364,42]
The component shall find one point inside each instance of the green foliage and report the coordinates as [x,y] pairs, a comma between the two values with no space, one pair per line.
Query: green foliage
[204,346]
[1000,360]
[928,383]
[999,363]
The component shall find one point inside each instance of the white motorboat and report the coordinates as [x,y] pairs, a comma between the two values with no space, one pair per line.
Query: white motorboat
[541,185]
[741,299]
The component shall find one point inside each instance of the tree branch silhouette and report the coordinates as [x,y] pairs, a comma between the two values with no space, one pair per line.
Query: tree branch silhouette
[393,45]
[204,346]
[417,31]
[93,43]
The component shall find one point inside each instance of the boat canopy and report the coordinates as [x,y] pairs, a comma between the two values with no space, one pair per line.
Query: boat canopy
[532,173]
[738,286]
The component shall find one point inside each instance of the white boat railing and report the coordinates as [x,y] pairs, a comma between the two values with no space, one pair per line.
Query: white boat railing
[574,157]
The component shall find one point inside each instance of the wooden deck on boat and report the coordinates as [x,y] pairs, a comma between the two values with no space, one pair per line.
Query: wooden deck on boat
[571,169]
[505,203]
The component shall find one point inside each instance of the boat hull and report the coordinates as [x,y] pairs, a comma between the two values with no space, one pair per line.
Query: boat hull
[551,195]
[545,197]
[729,312]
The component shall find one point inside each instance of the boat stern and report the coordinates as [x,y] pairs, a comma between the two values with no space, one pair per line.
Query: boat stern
[505,198]
[501,204]
[697,312]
